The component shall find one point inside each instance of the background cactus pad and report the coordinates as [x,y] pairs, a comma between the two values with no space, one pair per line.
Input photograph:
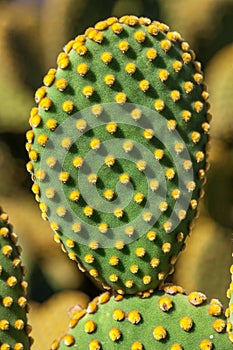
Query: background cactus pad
[118,150]
[14,329]
[175,322]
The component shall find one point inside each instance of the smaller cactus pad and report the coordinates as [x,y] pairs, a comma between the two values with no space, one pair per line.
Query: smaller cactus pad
[118,150]
[14,329]
[163,320]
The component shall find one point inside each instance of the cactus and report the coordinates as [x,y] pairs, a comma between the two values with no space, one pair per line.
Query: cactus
[163,320]
[229,311]
[14,329]
[131,86]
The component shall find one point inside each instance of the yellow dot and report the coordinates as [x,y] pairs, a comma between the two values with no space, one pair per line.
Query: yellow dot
[176,347]
[113,277]
[163,206]
[66,142]
[199,156]
[186,115]
[124,178]
[67,106]
[109,79]
[206,344]
[182,214]
[81,125]
[97,110]
[70,243]
[130,68]
[6,250]
[119,245]
[30,136]
[103,227]
[159,105]
[171,124]
[113,261]
[166,247]
[215,308]
[167,225]
[159,333]
[117,28]
[177,66]
[4,325]
[153,29]
[33,155]
[198,106]
[138,198]
[80,49]
[134,317]
[88,211]
[163,75]
[95,144]
[63,60]
[76,227]
[158,154]
[144,85]
[118,213]
[206,127]
[123,46]
[48,79]
[147,216]
[94,273]
[108,194]
[94,345]
[136,114]
[170,173]
[89,326]
[165,304]
[129,284]
[151,54]
[88,91]
[61,211]
[45,103]
[120,98]
[40,174]
[175,95]
[139,36]
[106,57]
[61,84]
[129,231]
[146,280]
[127,146]
[140,252]
[186,323]
[92,178]
[51,124]
[55,227]
[188,87]
[134,269]
[64,176]
[165,45]
[195,136]
[174,36]
[114,334]
[111,127]
[196,298]
[219,325]
[154,185]
[7,301]
[198,78]
[118,315]
[186,57]
[89,258]
[109,160]
[151,236]
[82,69]
[40,93]
[77,162]
[141,165]
[11,281]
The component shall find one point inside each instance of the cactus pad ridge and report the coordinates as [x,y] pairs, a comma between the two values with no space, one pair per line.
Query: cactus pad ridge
[14,329]
[175,322]
[111,85]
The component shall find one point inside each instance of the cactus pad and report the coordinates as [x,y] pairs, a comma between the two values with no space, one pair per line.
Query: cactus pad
[14,329]
[118,150]
[175,322]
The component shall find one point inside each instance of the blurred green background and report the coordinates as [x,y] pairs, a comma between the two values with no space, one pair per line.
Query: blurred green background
[32,33]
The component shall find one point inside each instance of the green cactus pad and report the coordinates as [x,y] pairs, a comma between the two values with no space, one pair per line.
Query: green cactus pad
[169,320]
[14,329]
[118,150]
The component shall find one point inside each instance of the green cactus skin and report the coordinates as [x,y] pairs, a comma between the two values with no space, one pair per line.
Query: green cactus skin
[14,329]
[127,60]
[163,320]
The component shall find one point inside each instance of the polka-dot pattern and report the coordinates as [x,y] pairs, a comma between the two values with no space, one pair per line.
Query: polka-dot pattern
[138,66]
[14,331]
[158,320]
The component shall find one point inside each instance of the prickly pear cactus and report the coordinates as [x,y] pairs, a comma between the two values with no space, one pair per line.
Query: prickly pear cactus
[229,311]
[118,150]
[163,320]
[14,329]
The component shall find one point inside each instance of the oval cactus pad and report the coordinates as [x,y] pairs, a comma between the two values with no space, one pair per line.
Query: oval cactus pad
[118,150]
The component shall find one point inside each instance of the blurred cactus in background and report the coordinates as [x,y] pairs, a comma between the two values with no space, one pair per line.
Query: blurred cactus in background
[31,35]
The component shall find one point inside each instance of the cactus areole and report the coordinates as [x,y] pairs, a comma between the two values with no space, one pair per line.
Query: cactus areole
[117,150]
